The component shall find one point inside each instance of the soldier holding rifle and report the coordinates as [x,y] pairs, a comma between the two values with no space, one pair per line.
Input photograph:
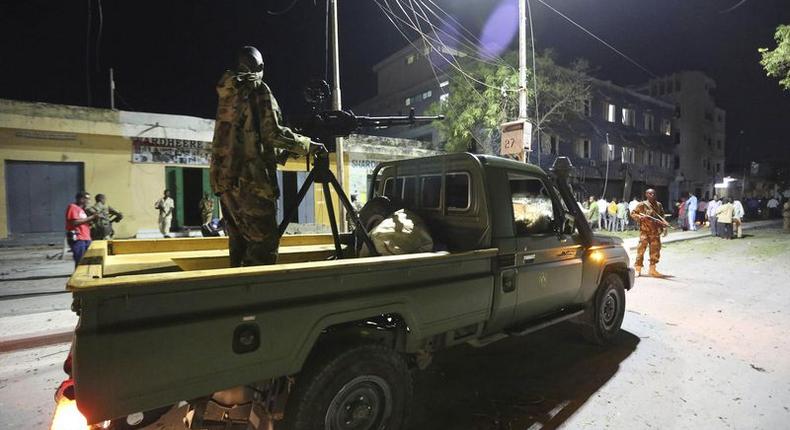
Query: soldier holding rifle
[649,214]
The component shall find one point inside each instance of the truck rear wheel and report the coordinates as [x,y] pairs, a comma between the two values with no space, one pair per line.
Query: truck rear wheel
[367,387]
[605,316]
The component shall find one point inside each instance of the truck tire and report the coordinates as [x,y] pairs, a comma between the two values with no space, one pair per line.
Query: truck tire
[368,387]
[605,316]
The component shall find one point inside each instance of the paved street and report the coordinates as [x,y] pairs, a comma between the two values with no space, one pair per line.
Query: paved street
[706,348]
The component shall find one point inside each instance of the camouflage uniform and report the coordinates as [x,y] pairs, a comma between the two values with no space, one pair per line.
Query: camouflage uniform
[248,138]
[649,231]
[206,209]
[101,228]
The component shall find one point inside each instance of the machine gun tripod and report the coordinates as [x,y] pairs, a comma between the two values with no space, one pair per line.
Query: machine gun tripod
[321,174]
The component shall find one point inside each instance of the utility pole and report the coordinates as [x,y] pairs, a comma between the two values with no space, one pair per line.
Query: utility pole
[522,63]
[337,103]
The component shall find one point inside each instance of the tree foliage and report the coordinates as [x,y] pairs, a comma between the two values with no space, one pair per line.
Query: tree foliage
[484,96]
[776,62]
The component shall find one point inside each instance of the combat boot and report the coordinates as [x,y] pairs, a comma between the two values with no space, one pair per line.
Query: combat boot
[654,273]
[638,270]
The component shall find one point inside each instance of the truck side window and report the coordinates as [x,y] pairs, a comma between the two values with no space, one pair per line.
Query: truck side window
[457,191]
[431,192]
[533,211]
[410,191]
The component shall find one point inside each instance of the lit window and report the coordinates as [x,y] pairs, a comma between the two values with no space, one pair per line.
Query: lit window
[666,127]
[609,112]
[444,97]
[583,148]
[408,101]
[627,155]
[608,153]
[444,84]
[410,59]
[426,95]
[629,117]
[650,122]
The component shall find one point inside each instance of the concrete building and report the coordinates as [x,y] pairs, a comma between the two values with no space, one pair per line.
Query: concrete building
[698,129]
[50,152]
[639,151]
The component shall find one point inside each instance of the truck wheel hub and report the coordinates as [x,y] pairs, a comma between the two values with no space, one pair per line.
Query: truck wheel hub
[364,403]
[609,309]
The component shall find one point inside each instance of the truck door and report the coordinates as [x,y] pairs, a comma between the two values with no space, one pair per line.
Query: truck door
[548,261]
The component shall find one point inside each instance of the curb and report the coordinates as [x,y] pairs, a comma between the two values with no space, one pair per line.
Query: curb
[35,340]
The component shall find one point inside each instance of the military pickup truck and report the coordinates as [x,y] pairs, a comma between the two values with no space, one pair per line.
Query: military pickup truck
[317,341]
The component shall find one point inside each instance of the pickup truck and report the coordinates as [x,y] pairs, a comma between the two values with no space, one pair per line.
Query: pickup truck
[318,341]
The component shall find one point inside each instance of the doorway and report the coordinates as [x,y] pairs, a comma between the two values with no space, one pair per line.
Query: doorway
[187,185]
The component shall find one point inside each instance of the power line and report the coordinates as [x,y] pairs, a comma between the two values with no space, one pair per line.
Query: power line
[534,76]
[608,45]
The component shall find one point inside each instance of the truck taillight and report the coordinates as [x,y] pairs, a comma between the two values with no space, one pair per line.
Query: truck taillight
[67,416]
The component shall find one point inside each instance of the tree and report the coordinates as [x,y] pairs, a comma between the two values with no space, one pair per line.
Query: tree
[776,62]
[484,96]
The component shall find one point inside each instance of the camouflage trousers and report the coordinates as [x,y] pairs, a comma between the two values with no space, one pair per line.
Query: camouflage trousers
[654,242]
[251,224]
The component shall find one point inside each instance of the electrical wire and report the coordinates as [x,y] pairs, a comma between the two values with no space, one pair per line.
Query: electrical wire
[736,6]
[608,45]
[88,56]
[283,11]
[433,68]
[99,35]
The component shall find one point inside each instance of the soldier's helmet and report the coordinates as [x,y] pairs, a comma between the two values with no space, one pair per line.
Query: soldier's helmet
[250,60]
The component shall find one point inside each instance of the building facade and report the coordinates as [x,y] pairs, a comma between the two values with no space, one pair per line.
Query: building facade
[621,142]
[699,129]
[50,152]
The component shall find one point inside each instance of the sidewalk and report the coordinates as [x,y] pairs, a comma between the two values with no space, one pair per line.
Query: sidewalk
[632,242]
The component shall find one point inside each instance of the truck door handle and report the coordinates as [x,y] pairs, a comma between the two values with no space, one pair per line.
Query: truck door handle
[528,259]
[564,253]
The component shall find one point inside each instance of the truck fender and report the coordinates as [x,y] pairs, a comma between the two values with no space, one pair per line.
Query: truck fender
[339,318]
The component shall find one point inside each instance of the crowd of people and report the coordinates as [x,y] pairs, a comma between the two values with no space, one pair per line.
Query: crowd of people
[610,215]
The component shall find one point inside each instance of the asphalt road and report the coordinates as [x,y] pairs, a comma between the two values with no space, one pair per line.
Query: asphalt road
[706,348]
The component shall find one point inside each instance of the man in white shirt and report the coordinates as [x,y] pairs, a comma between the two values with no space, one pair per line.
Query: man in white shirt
[773,206]
[602,205]
[631,206]
[691,208]
[165,205]
[713,206]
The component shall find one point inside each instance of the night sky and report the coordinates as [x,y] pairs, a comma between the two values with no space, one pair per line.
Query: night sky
[167,55]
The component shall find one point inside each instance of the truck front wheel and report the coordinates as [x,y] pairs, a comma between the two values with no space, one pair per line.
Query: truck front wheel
[605,316]
[367,387]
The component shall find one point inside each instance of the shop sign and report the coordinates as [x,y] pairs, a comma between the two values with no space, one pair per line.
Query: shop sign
[170,151]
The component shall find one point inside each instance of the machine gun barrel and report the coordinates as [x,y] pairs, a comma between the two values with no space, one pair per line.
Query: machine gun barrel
[396,120]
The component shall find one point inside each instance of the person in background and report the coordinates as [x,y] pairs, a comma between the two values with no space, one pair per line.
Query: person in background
[752,208]
[713,206]
[206,207]
[773,207]
[682,218]
[611,215]
[737,218]
[724,218]
[165,205]
[101,228]
[691,209]
[702,208]
[631,206]
[602,203]
[78,232]
[622,215]
[786,217]
[593,214]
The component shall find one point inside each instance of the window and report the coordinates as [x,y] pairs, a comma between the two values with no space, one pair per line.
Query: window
[677,138]
[407,102]
[609,112]
[427,94]
[627,155]
[583,148]
[533,211]
[389,188]
[457,193]
[629,117]
[431,192]
[650,160]
[410,59]
[666,127]
[444,84]
[677,162]
[409,191]
[444,97]
[587,107]
[608,152]
[650,122]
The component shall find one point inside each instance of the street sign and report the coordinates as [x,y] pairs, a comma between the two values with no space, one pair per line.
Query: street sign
[516,137]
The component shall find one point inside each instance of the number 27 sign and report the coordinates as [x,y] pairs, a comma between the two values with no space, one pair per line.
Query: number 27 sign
[516,137]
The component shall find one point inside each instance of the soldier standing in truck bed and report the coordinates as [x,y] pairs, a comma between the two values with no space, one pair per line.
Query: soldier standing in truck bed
[649,214]
[248,141]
